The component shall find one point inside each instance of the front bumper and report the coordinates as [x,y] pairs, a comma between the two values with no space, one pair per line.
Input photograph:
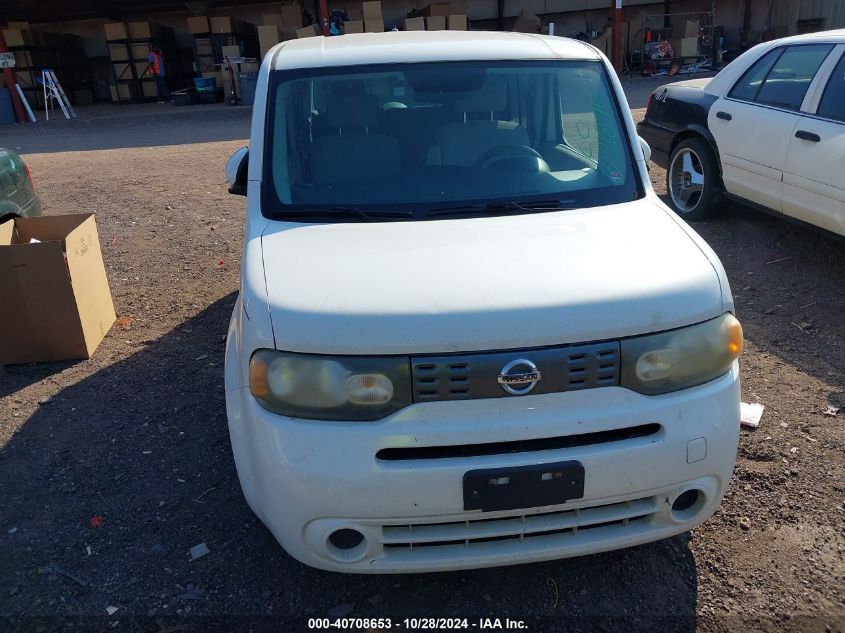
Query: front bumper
[305,479]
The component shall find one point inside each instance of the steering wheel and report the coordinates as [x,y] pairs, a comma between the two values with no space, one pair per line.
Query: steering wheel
[519,158]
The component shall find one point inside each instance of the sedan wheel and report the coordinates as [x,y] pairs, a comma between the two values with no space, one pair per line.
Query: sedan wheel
[686,180]
[693,180]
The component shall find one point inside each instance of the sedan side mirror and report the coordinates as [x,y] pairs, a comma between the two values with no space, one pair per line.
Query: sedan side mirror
[646,149]
[236,171]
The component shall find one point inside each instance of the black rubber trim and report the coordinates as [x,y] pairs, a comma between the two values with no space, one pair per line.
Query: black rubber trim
[519,446]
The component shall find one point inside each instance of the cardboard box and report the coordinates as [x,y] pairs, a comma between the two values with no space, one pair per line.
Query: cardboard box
[437,9]
[230,51]
[141,51]
[115,31]
[527,22]
[457,23]
[149,88]
[121,70]
[458,7]
[272,19]
[268,37]
[198,25]
[436,23]
[308,31]
[118,52]
[23,26]
[291,16]
[225,24]
[373,26]
[415,24]
[56,299]
[353,26]
[685,46]
[372,11]
[142,30]
[17,37]
[143,70]
[691,28]
[287,34]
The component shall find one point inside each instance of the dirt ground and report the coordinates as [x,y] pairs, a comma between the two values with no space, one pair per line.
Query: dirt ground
[137,435]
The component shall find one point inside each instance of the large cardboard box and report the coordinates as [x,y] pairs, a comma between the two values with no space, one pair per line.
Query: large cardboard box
[121,70]
[56,299]
[308,31]
[457,23]
[268,37]
[691,28]
[231,51]
[225,24]
[353,26]
[415,24]
[291,16]
[527,22]
[141,30]
[115,31]
[120,92]
[198,25]
[437,9]
[17,37]
[143,70]
[436,23]
[685,46]
[458,7]
[373,25]
[118,52]
[141,51]
[272,19]
[372,11]
[149,89]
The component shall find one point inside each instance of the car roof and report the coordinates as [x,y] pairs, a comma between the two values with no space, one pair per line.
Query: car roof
[837,36]
[424,46]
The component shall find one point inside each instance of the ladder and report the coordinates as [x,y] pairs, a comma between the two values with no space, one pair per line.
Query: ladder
[53,91]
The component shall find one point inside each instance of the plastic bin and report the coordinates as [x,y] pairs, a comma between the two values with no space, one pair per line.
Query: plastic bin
[247,82]
[205,84]
[7,110]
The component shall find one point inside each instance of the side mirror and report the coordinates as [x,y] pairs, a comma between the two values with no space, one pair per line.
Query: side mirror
[236,171]
[646,149]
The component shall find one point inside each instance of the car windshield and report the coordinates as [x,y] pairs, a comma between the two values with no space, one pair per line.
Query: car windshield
[424,140]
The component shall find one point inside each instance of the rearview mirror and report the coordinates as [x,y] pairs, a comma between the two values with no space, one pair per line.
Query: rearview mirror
[236,171]
[646,148]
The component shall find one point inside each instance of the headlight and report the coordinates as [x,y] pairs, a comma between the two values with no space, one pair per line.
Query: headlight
[689,356]
[330,387]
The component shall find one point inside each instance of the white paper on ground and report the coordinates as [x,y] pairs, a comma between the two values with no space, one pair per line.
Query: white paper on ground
[750,414]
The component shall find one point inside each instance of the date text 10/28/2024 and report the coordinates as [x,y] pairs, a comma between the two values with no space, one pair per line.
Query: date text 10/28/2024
[417,624]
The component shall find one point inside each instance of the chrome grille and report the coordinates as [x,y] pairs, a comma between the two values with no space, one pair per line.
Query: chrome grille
[474,375]
[564,526]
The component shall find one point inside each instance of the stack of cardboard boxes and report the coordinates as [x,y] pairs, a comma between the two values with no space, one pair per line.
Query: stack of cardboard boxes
[687,46]
[440,16]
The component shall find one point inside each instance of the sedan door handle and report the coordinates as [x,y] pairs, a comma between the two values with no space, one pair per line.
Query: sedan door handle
[808,136]
[724,115]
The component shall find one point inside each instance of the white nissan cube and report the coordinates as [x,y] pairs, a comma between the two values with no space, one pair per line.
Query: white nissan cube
[468,332]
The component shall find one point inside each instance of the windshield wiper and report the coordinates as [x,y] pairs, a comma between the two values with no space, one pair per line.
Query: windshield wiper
[512,206]
[344,213]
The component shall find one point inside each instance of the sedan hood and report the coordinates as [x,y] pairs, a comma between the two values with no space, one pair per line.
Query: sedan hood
[484,283]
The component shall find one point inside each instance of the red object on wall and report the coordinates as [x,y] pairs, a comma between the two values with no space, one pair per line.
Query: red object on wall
[10,84]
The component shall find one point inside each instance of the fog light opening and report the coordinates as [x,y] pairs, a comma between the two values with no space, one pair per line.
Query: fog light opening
[346,544]
[687,504]
[347,538]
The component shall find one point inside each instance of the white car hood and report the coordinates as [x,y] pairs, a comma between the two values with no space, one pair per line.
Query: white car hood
[484,283]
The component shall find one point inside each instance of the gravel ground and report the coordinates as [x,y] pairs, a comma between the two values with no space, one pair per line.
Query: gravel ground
[137,435]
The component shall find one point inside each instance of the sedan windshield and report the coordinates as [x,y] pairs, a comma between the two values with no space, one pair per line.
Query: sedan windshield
[410,141]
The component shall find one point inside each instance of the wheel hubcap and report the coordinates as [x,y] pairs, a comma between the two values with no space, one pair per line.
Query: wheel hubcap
[686,180]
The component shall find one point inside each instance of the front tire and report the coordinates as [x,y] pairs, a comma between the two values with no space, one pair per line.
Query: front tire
[692,180]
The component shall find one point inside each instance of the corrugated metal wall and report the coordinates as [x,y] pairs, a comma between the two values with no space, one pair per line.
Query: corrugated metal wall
[788,12]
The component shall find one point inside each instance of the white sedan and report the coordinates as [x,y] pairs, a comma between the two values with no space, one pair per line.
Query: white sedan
[768,130]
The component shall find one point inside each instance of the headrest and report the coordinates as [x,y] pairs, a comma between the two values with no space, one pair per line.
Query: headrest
[352,111]
[491,97]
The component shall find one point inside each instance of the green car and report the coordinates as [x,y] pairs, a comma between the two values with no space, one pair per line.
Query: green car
[17,194]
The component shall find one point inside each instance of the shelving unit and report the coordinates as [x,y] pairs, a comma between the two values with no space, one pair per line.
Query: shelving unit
[131,72]
[60,55]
